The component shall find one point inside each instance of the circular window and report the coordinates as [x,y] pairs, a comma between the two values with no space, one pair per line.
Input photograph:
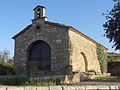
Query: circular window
[37,27]
[38,9]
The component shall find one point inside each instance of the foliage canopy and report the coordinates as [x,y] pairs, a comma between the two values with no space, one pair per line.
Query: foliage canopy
[112,25]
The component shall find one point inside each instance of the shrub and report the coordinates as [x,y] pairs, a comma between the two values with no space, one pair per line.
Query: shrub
[40,83]
[13,81]
[102,57]
[91,70]
[23,81]
[3,70]
[6,70]
[9,65]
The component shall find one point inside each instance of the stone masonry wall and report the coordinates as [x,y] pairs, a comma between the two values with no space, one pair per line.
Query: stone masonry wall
[66,47]
[82,53]
[75,87]
[55,36]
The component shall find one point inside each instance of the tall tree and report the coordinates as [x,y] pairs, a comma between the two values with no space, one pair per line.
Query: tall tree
[4,56]
[112,25]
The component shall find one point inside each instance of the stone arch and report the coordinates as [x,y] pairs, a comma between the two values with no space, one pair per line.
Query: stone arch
[39,50]
[28,46]
[42,38]
[39,57]
[85,61]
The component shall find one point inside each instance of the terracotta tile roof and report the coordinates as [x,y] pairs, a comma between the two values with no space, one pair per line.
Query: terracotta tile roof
[29,26]
[57,24]
[64,26]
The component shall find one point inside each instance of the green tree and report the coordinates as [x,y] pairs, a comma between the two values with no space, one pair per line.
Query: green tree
[112,25]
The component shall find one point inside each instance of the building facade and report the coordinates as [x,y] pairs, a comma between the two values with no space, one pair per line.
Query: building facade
[49,48]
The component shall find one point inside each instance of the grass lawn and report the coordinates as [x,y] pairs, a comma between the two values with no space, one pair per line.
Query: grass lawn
[108,78]
[102,80]
[23,81]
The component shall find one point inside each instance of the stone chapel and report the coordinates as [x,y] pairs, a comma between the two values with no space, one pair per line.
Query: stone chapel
[50,48]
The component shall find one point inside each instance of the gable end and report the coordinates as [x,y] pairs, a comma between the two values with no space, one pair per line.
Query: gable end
[24,30]
[63,26]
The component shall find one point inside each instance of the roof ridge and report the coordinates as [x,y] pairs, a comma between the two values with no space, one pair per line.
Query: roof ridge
[49,22]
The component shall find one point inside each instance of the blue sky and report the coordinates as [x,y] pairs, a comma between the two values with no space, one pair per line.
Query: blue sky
[84,15]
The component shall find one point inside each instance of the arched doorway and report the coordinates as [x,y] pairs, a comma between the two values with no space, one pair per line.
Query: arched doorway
[39,57]
[85,61]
